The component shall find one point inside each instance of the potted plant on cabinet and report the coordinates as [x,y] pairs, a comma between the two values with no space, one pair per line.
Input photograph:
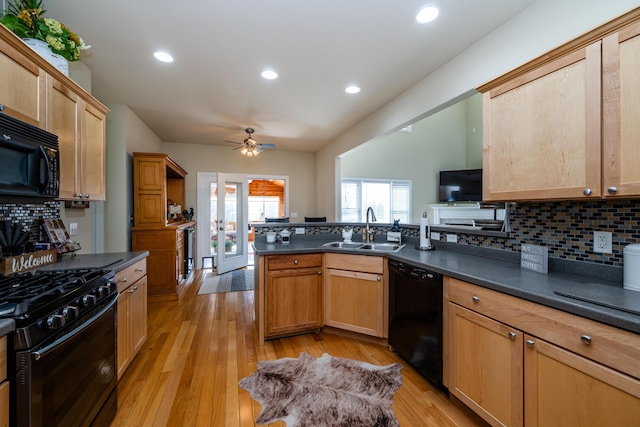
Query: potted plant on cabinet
[47,36]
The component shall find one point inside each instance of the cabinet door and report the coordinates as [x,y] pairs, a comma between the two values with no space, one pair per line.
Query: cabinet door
[293,300]
[63,121]
[621,103]
[124,336]
[542,132]
[564,389]
[486,366]
[92,154]
[355,301]
[22,87]
[138,315]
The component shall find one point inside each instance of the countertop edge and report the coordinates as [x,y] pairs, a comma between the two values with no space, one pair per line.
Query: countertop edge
[499,275]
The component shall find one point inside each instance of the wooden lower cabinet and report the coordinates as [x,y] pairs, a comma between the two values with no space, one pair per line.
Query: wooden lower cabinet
[564,389]
[293,293]
[165,261]
[132,313]
[486,364]
[356,294]
[517,363]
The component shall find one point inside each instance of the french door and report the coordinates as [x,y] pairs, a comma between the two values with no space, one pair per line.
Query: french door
[226,212]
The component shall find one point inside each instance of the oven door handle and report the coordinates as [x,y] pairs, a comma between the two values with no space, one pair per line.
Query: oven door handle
[43,351]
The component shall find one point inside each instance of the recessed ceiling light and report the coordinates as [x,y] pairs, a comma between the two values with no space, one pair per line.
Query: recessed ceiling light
[163,56]
[427,14]
[269,75]
[352,89]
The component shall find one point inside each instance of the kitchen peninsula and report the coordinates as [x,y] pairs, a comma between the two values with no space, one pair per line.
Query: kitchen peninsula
[533,320]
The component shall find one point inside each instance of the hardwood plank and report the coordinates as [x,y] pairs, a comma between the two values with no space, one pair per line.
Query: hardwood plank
[200,346]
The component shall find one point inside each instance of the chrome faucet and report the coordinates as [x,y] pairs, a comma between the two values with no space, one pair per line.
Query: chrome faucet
[368,236]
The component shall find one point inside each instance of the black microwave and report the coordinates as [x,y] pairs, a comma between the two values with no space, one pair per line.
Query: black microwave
[29,162]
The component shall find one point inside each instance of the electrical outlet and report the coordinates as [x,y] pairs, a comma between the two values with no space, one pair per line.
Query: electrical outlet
[602,242]
[435,235]
[452,238]
[73,229]
[294,214]
[299,230]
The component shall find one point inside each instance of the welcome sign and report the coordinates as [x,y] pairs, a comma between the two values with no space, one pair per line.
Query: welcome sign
[19,263]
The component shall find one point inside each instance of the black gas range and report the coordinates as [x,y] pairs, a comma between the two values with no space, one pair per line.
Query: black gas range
[62,358]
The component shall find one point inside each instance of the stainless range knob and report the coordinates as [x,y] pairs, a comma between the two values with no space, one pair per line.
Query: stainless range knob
[88,300]
[55,321]
[70,312]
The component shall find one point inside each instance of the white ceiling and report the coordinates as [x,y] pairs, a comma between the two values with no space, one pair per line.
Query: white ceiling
[213,89]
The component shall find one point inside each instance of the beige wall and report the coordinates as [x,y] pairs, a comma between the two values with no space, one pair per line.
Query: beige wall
[538,29]
[126,133]
[299,167]
[438,142]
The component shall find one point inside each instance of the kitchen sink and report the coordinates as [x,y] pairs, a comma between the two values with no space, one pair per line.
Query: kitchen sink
[375,247]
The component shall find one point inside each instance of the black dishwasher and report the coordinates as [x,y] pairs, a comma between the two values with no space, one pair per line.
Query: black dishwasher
[415,318]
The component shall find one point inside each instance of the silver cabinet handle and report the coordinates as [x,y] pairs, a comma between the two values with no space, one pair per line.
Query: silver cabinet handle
[612,190]
[586,191]
[475,298]
[123,280]
[132,290]
[319,273]
[512,335]
[138,269]
[378,278]
[530,343]
[586,339]
[295,262]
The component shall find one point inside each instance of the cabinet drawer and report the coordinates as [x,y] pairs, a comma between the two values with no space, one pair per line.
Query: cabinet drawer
[613,347]
[368,264]
[130,274]
[284,262]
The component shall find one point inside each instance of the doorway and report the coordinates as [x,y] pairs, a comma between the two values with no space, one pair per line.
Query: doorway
[224,218]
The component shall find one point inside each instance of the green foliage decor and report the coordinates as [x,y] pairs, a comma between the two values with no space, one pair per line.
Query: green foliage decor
[25,18]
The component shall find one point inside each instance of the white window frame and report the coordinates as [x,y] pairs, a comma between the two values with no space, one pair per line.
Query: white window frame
[363,208]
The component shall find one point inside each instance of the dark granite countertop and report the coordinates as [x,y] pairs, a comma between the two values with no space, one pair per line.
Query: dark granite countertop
[615,306]
[6,326]
[112,261]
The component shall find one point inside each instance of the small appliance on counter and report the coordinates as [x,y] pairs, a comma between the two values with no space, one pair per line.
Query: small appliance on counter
[631,271]
[285,236]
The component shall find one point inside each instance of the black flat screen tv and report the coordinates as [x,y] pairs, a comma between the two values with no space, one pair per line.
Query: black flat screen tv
[460,186]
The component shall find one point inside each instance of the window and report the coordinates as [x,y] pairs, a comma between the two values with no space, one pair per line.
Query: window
[261,207]
[390,199]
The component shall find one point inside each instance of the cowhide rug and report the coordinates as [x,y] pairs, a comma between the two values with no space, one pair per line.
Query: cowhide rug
[324,392]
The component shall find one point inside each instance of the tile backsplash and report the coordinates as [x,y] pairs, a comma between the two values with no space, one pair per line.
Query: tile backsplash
[29,215]
[566,228]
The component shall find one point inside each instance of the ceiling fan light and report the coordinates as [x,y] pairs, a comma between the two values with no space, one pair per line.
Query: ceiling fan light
[244,150]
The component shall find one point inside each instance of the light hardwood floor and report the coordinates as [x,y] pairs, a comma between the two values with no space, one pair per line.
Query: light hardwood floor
[198,349]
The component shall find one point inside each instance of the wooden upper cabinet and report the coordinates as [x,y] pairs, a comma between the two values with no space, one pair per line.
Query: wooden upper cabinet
[542,131]
[80,127]
[33,90]
[621,105]
[158,180]
[564,126]
[22,86]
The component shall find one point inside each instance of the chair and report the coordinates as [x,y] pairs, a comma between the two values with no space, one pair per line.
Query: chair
[315,219]
[286,219]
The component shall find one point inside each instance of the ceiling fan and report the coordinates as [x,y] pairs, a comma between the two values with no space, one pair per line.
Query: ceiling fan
[250,147]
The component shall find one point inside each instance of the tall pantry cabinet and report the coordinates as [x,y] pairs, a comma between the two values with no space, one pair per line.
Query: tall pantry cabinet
[158,181]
